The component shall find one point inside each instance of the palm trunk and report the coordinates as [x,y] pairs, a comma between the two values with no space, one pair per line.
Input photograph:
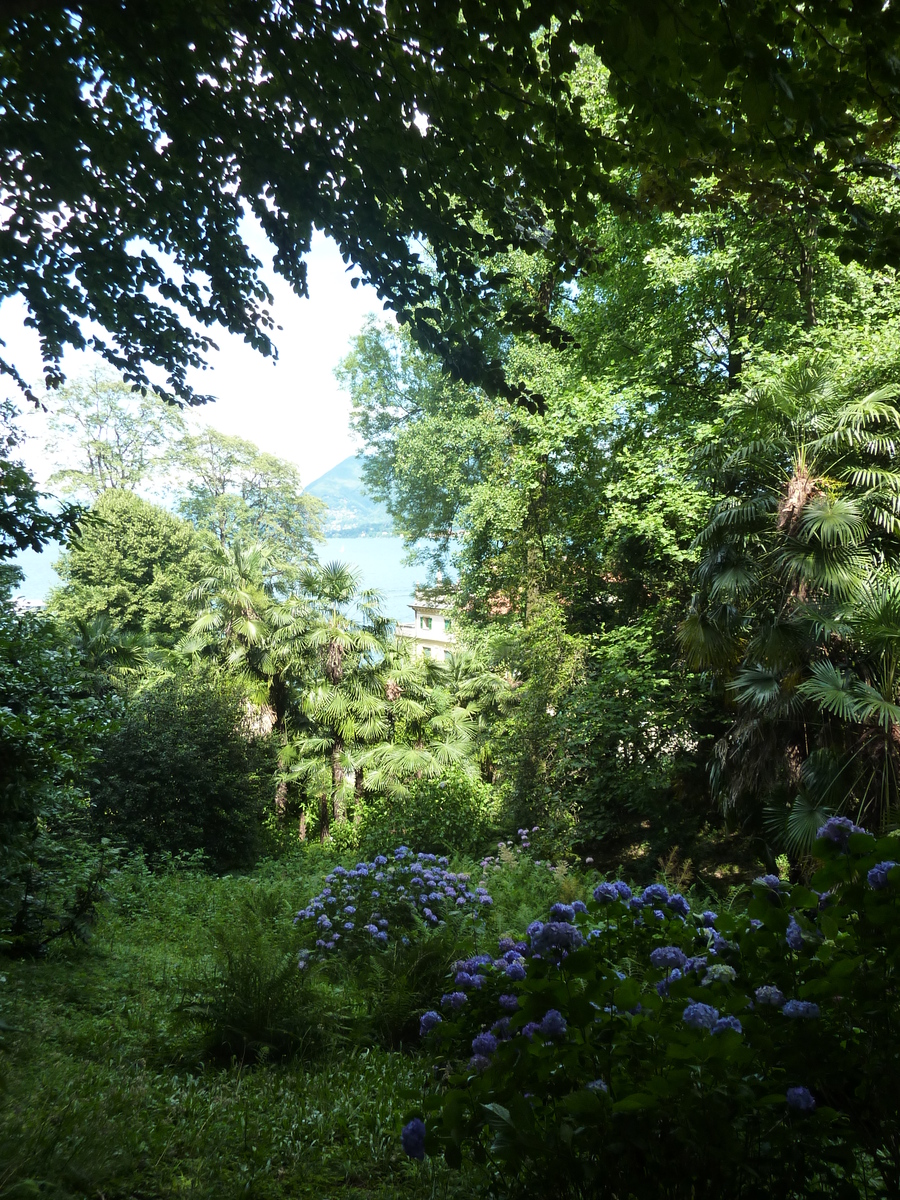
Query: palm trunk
[337,779]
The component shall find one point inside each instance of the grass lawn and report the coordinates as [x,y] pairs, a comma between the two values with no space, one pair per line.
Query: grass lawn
[108,1088]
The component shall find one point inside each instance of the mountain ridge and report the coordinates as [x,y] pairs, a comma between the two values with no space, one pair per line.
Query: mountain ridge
[351,512]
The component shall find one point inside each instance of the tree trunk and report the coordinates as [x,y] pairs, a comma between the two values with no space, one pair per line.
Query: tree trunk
[337,779]
[324,819]
[302,829]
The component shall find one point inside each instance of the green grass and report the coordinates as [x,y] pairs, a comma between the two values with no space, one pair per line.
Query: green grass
[108,1088]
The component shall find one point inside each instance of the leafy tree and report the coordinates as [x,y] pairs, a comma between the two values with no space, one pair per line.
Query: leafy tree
[24,522]
[182,772]
[238,493]
[116,436]
[51,726]
[797,598]
[471,139]
[134,563]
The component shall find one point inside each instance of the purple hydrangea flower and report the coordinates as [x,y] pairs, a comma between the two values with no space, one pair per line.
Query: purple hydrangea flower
[877,877]
[463,979]
[579,906]
[636,903]
[412,1138]
[700,1016]
[455,999]
[622,890]
[708,919]
[348,925]
[597,1085]
[664,958]
[428,1021]
[515,971]
[656,893]
[530,1029]
[381,936]
[479,1063]
[698,963]
[500,1028]
[800,1008]
[678,905]
[508,1002]
[724,1023]
[373,929]
[800,1099]
[554,1024]
[484,1044]
[838,830]
[770,996]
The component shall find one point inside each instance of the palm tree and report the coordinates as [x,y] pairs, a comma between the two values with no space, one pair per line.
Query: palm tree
[342,630]
[239,621]
[808,522]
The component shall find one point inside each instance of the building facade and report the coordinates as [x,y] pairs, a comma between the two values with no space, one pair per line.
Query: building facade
[431,629]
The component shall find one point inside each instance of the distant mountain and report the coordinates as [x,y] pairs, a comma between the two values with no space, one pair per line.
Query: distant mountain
[351,513]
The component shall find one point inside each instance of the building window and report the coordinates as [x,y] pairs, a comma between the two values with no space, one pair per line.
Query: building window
[426,651]
[424,622]
[447,623]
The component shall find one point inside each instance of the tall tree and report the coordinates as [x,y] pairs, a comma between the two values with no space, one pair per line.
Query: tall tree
[109,435]
[454,127]
[237,492]
[134,563]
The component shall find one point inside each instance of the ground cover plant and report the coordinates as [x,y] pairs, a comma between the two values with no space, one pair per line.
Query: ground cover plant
[633,1047]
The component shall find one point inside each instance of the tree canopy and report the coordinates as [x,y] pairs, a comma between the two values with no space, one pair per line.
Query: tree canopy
[425,137]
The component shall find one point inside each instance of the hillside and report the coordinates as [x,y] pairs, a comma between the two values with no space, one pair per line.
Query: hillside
[351,513]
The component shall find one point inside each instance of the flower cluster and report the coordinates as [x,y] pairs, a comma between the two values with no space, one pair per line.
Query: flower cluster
[365,907]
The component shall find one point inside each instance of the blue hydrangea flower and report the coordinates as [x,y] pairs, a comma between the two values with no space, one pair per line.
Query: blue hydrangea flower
[479,1063]
[724,1023]
[455,999]
[373,929]
[530,1029]
[770,996]
[698,963]
[349,909]
[515,971]
[678,905]
[381,936]
[562,912]
[579,906]
[380,860]
[484,1044]
[664,958]
[622,890]
[555,937]
[877,877]
[412,1138]
[348,925]
[700,1016]
[636,903]
[508,1002]
[708,919]
[662,986]
[554,1024]
[800,1099]
[428,1021]
[769,881]
[800,1008]
[605,893]
[794,935]
[656,893]
[597,1085]
[838,830]
[323,922]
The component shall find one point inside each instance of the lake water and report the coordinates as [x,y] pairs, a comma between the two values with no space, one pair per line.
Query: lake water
[378,559]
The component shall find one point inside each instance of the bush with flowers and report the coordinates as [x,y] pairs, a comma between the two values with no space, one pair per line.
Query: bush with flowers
[388,929]
[630,1047]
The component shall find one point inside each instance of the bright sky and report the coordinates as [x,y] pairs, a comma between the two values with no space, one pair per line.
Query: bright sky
[292,408]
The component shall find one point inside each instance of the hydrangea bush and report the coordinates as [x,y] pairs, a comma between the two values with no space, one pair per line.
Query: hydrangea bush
[388,929]
[630,1047]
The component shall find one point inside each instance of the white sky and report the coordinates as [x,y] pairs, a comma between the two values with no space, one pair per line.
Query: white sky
[292,408]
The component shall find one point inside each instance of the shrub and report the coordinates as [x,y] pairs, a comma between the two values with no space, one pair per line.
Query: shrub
[249,999]
[180,773]
[630,1047]
[450,815]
